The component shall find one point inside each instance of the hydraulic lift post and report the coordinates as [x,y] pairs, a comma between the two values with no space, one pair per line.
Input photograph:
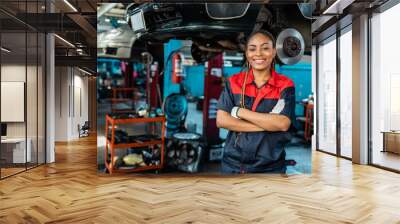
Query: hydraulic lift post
[155,92]
[212,91]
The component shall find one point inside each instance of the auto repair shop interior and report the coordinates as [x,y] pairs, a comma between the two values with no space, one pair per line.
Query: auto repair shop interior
[171,76]
[108,111]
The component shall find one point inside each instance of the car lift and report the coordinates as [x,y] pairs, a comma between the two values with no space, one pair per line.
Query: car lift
[212,91]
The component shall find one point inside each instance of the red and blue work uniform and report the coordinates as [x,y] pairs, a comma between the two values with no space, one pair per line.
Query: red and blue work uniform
[257,152]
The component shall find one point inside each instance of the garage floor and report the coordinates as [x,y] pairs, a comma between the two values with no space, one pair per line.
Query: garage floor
[71,191]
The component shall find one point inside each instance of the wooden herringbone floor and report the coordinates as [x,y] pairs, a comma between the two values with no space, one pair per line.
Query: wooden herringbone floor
[70,191]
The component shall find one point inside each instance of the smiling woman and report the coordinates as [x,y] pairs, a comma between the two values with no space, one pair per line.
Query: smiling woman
[260,51]
[257,107]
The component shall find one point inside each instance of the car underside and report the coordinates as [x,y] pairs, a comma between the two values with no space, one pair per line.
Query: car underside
[218,27]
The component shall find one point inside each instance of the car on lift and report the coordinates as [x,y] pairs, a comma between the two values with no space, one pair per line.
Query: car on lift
[116,43]
[218,27]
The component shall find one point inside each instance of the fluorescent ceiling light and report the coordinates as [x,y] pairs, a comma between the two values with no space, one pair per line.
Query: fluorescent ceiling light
[64,40]
[330,8]
[70,5]
[5,49]
[338,6]
[84,71]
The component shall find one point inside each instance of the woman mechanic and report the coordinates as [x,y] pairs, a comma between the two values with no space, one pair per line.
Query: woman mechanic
[257,107]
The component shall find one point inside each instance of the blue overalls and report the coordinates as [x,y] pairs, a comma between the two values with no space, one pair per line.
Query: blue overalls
[257,152]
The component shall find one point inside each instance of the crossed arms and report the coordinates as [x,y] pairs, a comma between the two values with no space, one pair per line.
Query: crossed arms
[252,121]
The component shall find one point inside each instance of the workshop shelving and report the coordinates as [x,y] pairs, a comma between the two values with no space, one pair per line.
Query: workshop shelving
[112,146]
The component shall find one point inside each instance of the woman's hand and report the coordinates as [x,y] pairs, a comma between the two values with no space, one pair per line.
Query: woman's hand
[225,120]
[266,121]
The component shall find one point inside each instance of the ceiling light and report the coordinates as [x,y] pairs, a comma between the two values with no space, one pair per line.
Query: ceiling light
[80,52]
[331,7]
[64,40]
[70,5]
[5,49]
[337,7]
[84,71]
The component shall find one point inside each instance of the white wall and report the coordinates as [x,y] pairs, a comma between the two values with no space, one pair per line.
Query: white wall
[61,103]
[71,102]
[13,73]
[80,110]
[9,73]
